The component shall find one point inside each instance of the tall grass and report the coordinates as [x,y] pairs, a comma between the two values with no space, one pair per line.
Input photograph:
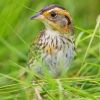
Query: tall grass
[82,81]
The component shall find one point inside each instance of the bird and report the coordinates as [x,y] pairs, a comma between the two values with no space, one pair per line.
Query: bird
[53,48]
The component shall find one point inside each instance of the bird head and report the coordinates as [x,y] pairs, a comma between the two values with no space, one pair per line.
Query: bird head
[56,18]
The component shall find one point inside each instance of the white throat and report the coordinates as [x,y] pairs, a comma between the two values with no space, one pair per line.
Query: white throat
[52,33]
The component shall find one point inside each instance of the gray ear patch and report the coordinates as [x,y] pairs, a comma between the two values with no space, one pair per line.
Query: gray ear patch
[63,22]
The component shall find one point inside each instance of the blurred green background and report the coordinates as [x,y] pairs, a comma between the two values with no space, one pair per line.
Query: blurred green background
[17,32]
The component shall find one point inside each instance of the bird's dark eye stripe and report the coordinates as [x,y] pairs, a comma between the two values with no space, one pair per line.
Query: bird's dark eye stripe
[69,21]
[53,14]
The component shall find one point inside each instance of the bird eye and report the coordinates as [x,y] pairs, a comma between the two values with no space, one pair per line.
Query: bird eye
[53,14]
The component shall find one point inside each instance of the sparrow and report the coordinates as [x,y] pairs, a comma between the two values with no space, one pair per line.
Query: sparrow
[53,48]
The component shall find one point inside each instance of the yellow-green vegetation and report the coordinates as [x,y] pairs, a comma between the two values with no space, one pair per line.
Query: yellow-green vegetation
[82,81]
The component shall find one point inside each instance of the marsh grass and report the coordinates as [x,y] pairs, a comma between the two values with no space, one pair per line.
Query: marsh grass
[82,81]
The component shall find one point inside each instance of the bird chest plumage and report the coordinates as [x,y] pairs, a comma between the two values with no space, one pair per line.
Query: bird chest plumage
[56,51]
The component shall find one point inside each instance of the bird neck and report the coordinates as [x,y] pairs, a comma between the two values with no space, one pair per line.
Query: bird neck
[50,30]
[52,33]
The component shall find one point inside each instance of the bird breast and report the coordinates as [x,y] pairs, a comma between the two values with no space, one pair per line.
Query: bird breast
[56,51]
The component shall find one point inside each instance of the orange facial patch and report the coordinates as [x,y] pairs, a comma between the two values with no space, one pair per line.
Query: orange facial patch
[55,24]
[58,11]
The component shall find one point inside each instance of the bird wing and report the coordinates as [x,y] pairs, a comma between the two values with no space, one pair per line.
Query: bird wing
[33,54]
[35,60]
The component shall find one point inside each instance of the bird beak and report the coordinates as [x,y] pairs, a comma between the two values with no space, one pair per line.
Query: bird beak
[37,16]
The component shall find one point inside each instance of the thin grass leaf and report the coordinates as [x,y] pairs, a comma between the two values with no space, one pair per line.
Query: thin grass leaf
[91,40]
